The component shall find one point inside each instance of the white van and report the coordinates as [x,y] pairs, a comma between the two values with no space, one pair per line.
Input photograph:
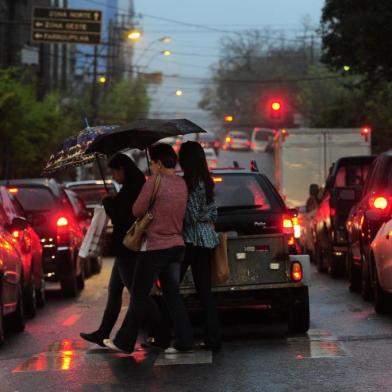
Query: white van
[261,138]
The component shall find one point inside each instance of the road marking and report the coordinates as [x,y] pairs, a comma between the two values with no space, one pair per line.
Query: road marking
[196,358]
[71,320]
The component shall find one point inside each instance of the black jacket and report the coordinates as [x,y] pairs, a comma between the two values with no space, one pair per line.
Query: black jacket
[119,210]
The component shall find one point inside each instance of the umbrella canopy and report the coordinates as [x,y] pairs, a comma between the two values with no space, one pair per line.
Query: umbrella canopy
[141,134]
[72,152]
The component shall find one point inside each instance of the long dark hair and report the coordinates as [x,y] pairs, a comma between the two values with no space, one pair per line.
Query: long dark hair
[133,175]
[194,165]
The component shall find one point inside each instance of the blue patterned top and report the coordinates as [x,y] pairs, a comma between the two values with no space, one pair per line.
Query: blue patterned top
[199,218]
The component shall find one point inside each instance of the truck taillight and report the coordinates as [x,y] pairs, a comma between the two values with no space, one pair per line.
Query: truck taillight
[379,202]
[296,272]
[288,226]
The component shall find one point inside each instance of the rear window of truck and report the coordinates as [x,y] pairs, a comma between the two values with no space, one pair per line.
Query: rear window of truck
[242,191]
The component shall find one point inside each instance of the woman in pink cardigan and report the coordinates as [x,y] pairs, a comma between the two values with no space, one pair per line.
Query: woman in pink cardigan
[161,257]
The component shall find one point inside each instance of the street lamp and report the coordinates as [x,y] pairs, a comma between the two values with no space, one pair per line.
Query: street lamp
[179,93]
[134,35]
[166,52]
[102,79]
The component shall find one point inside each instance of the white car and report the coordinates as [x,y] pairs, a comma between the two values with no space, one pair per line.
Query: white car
[261,138]
[237,140]
[381,258]
[212,159]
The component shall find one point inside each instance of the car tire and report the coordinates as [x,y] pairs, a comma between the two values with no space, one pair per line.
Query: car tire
[80,279]
[319,260]
[87,268]
[17,319]
[41,294]
[382,300]
[354,275]
[366,287]
[96,265]
[2,332]
[69,287]
[30,298]
[299,316]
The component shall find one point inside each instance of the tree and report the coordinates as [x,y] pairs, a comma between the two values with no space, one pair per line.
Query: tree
[252,69]
[358,34]
[29,130]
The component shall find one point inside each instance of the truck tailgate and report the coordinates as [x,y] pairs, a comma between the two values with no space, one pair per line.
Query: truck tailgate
[253,260]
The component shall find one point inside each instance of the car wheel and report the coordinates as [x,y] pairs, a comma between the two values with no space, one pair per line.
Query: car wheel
[87,267]
[354,275]
[30,298]
[366,288]
[69,287]
[96,265]
[299,317]
[17,319]
[41,294]
[382,300]
[80,280]
[1,325]
[319,259]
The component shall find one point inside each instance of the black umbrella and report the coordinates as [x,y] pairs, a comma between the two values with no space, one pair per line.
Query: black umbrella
[72,152]
[140,134]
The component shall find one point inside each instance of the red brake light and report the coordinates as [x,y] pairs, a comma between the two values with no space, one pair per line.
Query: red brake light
[296,271]
[61,222]
[380,203]
[15,234]
[287,226]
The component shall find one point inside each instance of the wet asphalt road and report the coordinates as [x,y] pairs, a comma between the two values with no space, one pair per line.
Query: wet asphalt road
[348,348]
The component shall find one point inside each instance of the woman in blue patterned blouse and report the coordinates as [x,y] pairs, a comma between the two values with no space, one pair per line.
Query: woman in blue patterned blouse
[200,236]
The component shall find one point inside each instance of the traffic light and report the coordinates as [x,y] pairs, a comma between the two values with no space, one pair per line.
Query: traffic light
[365,132]
[275,109]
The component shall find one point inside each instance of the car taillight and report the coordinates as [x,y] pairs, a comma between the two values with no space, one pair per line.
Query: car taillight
[296,227]
[296,272]
[248,143]
[216,144]
[63,232]
[16,234]
[379,202]
[13,190]
[333,211]
[229,140]
[288,226]
[62,221]
[217,179]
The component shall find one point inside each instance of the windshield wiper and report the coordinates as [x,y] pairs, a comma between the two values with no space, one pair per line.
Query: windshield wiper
[240,207]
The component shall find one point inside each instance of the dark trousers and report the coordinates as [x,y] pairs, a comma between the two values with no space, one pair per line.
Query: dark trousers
[122,276]
[164,264]
[199,259]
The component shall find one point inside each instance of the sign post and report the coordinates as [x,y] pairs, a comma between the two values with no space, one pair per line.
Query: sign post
[64,25]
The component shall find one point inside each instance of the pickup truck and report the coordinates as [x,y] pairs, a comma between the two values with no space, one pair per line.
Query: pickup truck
[342,190]
[260,229]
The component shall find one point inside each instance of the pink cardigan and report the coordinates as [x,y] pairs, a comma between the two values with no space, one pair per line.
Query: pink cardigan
[165,230]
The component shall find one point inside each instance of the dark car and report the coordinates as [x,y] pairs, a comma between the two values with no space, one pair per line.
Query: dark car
[364,221]
[259,228]
[342,190]
[31,253]
[49,211]
[11,296]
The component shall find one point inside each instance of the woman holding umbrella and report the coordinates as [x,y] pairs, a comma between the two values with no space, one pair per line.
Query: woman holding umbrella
[119,210]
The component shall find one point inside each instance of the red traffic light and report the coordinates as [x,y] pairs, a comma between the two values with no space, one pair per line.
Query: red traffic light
[276,106]
[365,132]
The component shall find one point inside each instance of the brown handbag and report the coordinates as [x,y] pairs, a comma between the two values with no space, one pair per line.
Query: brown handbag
[220,271]
[134,236]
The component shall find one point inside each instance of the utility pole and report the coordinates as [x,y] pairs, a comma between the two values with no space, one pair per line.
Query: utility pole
[64,59]
[94,100]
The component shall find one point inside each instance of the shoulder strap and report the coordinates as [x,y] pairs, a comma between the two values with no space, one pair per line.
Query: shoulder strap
[155,191]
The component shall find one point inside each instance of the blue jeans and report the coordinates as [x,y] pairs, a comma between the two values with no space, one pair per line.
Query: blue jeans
[164,264]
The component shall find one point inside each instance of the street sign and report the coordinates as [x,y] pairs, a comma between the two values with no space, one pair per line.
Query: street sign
[64,25]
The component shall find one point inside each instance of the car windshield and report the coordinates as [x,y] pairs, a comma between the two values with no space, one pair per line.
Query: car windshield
[90,195]
[263,136]
[34,198]
[352,175]
[240,191]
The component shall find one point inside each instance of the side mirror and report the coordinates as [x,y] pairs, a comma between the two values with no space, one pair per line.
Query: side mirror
[19,223]
[373,214]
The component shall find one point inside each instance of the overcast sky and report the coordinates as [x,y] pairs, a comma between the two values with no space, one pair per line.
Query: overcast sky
[195,48]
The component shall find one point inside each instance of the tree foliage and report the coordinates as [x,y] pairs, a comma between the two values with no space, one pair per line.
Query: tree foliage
[358,33]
